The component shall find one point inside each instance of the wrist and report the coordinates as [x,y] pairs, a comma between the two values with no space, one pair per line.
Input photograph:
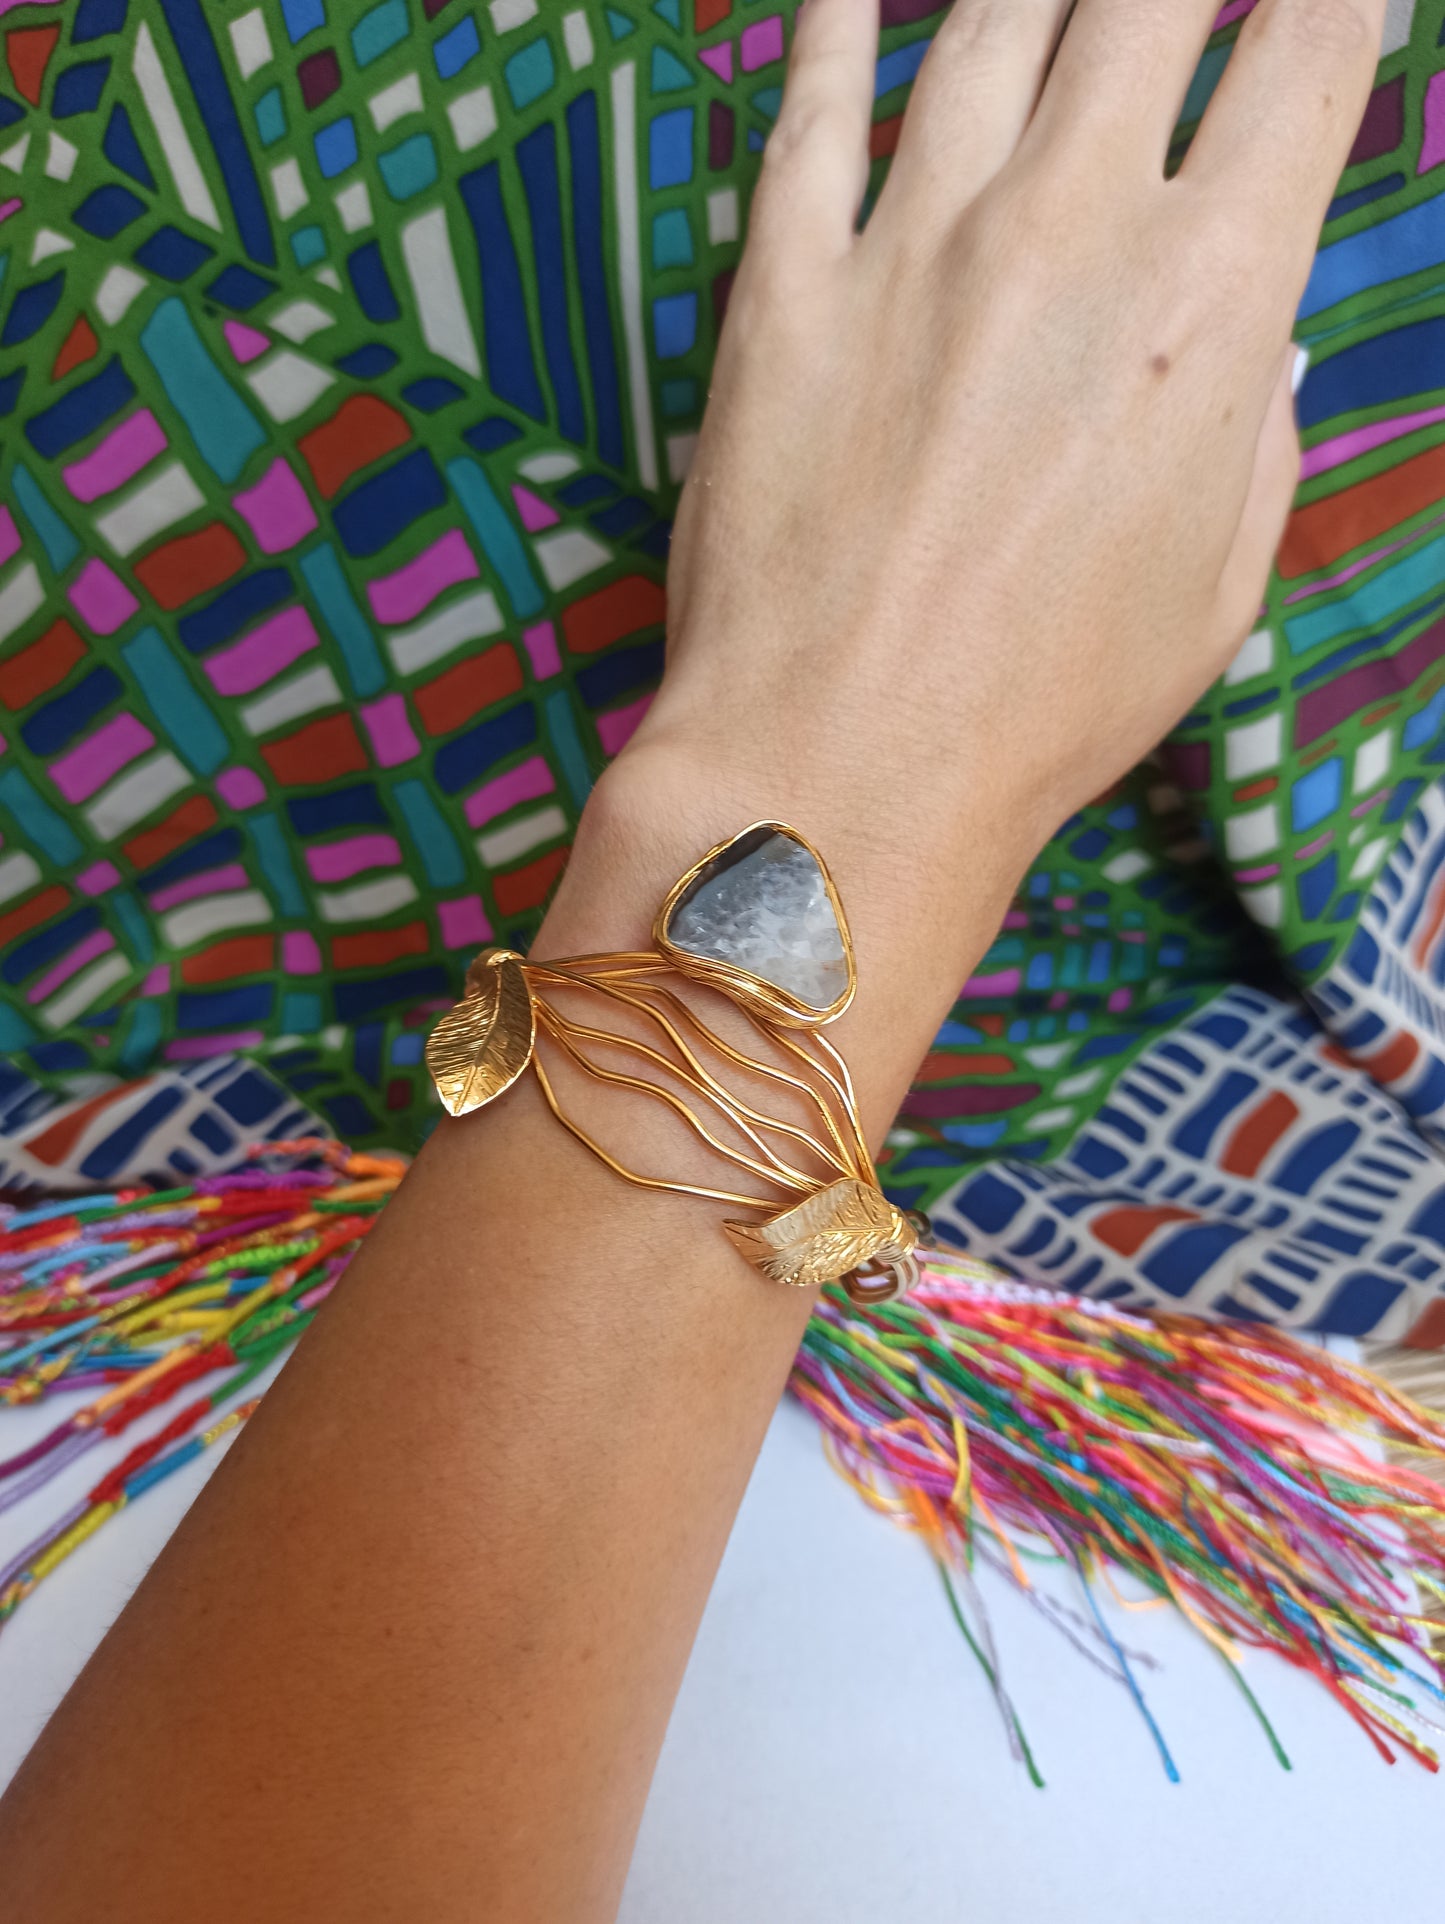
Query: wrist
[923,901]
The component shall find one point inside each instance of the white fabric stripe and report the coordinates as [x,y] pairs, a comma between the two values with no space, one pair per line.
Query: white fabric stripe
[303,696]
[132,796]
[18,872]
[629,265]
[241,909]
[368,901]
[431,266]
[519,838]
[286,384]
[167,497]
[395,102]
[569,553]
[84,990]
[469,619]
[19,598]
[170,129]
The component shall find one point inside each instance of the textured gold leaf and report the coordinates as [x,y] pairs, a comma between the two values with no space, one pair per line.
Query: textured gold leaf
[479,1048]
[826,1235]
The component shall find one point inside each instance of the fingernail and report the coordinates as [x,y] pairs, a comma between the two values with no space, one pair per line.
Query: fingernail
[1297,373]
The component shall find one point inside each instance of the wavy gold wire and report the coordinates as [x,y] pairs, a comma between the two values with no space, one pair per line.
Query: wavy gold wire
[834,1221]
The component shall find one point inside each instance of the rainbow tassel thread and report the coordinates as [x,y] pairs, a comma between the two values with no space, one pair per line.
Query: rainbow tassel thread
[1211,1463]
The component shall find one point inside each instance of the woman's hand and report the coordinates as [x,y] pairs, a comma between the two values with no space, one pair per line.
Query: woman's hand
[987,492]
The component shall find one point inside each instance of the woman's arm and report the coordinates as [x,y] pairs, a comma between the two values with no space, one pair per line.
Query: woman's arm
[983,499]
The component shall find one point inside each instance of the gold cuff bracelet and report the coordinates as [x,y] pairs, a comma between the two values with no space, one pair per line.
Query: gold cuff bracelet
[759,921]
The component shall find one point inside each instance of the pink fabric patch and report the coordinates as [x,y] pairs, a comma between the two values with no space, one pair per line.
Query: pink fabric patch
[263,653]
[277,509]
[101,598]
[94,944]
[339,861]
[393,739]
[720,59]
[90,765]
[1432,142]
[96,879]
[123,452]
[541,643]
[246,343]
[7,5]
[535,513]
[762,43]
[192,1048]
[1344,447]
[9,536]
[522,784]
[299,953]
[615,730]
[211,881]
[464,923]
[403,595]
[240,787]
[9,207]
[158,981]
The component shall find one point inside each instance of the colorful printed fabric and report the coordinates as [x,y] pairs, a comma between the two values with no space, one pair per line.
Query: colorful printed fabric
[350,358]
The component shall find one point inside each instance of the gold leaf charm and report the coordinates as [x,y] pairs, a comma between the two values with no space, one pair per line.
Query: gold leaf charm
[829,1234]
[481,1045]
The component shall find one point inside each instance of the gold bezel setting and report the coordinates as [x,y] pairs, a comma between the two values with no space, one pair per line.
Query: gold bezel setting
[773,1002]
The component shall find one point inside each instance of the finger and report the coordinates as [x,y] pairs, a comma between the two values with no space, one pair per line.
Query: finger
[1267,505]
[974,96]
[1122,71]
[1275,138]
[815,169]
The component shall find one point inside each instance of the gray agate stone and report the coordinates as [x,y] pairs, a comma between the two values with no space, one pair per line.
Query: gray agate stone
[762,906]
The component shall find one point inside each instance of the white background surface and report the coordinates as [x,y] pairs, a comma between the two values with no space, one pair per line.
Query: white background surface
[836,1758]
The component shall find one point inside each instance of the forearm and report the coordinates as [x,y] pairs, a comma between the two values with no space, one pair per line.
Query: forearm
[422,1633]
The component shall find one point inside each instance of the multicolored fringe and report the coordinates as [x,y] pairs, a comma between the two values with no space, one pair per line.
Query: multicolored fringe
[1212,1463]
[1222,1467]
[138,1295]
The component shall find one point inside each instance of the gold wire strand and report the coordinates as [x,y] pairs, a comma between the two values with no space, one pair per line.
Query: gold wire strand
[620,1169]
[798,1182]
[733,1108]
[844,1161]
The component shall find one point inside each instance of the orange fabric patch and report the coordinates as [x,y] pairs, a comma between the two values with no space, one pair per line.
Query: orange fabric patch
[362,429]
[242,955]
[1325,530]
[79,346]
[379,946]
[940,1066]
[707,13]
[27,54]
[194,816]
[179,570]
[1127,1230]
[317,753]
[1394,1059]
[39,908]
[1257,1134]
[619,609]
[527,888]
[41,666]
[455,697]
[52,1145]
[1429,1331]
[883,136]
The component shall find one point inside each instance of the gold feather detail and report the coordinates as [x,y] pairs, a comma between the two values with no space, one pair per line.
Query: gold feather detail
[481,1045]
[827,1235]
